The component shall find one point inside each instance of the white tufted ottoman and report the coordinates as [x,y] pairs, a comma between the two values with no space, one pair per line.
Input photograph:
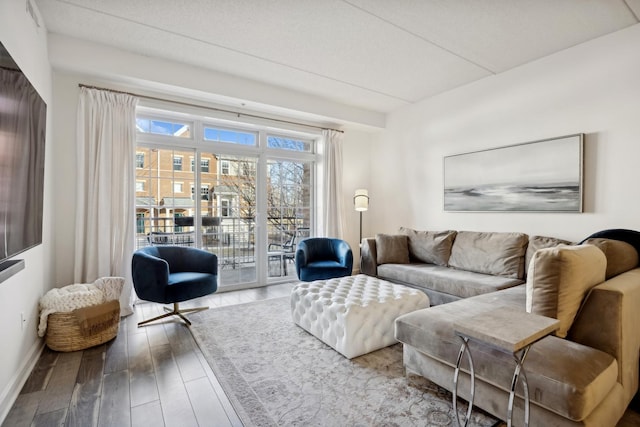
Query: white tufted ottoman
[355,314]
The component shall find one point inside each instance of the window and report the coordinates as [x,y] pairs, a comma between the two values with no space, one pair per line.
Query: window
[177,228]
[140,222]
[220,179]
[225,210]
[163,127]
[229,136]
[204,165]
[292,144]
[177,163]
[204,192]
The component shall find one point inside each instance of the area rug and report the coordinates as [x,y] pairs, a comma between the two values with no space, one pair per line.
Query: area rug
[277,374]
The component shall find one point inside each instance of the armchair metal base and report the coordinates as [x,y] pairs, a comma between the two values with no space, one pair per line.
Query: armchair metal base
[175,312]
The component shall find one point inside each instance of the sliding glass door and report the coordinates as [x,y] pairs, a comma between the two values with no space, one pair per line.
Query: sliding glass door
[245,195]
[289,212]
[232,233]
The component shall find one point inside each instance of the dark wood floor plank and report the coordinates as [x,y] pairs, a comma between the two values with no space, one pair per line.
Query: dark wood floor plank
[85,400]
[60,386]
[182,347]
[155,331]
[176,407]
[206,405]
[39,377]
[147,415]
[131,322]
[230,298]
[116,354]
[24,410]
[115,406]
[141,372]
[220,394]
[51,419]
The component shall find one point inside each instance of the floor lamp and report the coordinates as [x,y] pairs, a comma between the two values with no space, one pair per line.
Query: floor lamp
[361,202]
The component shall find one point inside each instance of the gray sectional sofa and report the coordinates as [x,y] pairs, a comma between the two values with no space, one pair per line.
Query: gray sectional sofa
[584,375]
[449,265]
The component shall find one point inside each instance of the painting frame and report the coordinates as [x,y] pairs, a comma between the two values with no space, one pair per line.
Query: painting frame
[537,176]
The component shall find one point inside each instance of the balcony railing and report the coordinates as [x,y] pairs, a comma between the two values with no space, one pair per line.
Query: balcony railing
[230,238]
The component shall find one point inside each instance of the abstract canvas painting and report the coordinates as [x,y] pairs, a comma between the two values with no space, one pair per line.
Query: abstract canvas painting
[534,176]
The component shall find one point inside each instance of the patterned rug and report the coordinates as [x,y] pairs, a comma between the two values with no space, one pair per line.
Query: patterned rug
[277,374]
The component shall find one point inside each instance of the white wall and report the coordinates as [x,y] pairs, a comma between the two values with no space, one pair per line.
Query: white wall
[593,88]
[356,173]
[27,44]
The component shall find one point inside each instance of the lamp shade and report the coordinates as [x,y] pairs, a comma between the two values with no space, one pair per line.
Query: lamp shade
[361,200]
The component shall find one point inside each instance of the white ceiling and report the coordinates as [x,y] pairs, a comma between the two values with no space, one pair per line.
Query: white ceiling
[377,55]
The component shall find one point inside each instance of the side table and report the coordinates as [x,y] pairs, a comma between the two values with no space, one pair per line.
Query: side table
[511,331]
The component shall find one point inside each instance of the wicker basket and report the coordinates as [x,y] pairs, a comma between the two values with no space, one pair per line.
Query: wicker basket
[83,328]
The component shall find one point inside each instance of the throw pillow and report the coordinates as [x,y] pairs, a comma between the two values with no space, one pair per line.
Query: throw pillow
[497,253]
[559,278]
[431,247]
[541,242]
[392,249]
[621,256]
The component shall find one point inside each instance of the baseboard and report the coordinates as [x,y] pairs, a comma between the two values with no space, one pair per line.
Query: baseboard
[12,390]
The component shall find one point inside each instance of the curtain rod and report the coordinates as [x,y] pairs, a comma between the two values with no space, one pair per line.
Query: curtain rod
[188,104]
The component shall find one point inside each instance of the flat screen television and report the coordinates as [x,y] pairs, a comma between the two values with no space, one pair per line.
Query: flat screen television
[23,116]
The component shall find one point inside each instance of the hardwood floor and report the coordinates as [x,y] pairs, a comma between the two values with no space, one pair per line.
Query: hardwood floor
[150,376]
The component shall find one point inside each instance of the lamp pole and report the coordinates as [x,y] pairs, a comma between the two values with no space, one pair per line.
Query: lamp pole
[361,202]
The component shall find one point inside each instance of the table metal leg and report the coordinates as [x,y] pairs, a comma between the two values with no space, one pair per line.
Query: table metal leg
[463,348]
[517,373]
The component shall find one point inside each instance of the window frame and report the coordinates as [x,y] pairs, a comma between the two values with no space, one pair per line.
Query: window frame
[261,152]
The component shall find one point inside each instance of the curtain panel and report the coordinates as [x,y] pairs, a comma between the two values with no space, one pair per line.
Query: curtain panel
[332,217]
[105,208]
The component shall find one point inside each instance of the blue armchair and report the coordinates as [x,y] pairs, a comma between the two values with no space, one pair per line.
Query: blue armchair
[172,274]
[320,258]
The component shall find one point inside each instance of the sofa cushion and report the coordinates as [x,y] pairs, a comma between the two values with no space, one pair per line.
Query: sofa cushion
[565,377]
[559,278]
[621,256]
[541,242]
[392,249]
[460,283]
[500,254]
[432,247]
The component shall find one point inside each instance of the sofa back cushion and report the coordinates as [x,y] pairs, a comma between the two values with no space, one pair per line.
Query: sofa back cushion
[559,278]
[500,254]
[541,242]
[431,247]
[392,249]
[621,256]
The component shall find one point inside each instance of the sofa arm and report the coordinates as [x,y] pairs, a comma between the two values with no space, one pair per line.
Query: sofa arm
[608,321]
[150,275]
[301,257]
[344,253]
[201,261]
[368,256]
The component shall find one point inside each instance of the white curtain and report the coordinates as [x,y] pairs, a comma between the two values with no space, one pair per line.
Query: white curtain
[105,207]
[331,223]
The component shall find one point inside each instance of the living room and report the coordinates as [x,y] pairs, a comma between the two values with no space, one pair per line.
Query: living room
[590,87]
